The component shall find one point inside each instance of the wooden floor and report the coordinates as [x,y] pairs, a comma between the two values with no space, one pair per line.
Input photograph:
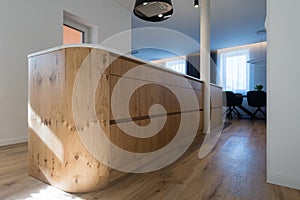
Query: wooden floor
[235,169]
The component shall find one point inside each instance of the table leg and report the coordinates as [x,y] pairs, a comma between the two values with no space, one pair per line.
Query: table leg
[247,111]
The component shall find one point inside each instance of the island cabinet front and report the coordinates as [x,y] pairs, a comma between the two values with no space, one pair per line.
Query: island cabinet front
[88,107]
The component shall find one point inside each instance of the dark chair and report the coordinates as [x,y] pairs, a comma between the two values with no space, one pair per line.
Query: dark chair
[238,99]
[257,99]
[231,100]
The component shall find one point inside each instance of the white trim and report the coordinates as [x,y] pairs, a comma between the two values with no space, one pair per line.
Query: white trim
[13,141]
[283,181]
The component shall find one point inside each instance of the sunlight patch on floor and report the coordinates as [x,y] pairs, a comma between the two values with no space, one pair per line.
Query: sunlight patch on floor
[52,193]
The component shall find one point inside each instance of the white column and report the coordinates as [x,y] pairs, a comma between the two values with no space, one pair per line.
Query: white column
[205,59]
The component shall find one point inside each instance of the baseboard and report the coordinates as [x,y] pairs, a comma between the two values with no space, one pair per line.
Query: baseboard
[13,141]
[283,181]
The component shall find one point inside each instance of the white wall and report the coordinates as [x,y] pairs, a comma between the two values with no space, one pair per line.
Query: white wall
[283,134]
[34,25]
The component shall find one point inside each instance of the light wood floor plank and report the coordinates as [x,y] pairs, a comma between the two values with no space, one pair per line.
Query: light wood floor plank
[234,170]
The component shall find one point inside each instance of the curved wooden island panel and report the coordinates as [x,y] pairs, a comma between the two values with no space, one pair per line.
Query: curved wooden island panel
[57,153]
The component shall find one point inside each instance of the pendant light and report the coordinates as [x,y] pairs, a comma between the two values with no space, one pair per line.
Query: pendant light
[196,3]
[260,52]
[153,10]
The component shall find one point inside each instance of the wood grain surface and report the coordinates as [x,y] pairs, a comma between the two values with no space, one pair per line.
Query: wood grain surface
[57,153]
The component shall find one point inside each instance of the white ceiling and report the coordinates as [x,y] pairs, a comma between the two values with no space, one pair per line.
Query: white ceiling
[233,22]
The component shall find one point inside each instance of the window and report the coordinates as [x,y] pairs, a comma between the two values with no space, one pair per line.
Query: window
[233,66]
[77,30]
[177,65]
[72,35]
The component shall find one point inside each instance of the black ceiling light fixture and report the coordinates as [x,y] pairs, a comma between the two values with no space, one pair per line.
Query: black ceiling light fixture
[196,3]
[153,10]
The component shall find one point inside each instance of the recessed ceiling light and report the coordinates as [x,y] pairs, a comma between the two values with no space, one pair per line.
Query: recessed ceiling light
[145,3]
[160,15]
